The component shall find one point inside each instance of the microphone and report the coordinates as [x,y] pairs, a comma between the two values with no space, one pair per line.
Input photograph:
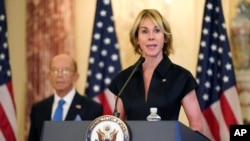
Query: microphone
[139,62]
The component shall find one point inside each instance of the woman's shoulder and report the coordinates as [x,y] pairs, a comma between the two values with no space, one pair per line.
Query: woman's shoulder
[175,67]
[126,71]
[179,67]
[181,70]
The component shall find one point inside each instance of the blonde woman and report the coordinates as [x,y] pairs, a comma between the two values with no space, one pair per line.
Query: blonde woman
[157,82]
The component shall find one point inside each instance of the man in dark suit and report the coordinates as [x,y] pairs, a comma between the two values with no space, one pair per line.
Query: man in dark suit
[63,75]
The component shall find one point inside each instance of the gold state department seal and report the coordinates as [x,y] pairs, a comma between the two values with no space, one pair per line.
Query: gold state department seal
[107,128]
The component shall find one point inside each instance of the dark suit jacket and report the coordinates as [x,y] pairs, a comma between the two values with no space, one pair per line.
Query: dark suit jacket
[81,106]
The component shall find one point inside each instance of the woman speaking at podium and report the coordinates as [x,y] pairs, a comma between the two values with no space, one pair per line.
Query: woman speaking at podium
[154,80]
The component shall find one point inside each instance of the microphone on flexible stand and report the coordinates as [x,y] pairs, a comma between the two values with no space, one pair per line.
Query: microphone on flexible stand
[139,62]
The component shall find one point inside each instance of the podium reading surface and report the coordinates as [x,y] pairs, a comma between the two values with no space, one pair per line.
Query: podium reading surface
[138,131]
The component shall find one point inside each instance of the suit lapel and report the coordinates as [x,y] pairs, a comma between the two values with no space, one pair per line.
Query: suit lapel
[75,107]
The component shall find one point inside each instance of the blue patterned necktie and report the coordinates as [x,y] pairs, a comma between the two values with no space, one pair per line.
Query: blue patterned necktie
[59,111]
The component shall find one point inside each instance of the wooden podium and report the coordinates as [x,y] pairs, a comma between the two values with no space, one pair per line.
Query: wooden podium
[138,131]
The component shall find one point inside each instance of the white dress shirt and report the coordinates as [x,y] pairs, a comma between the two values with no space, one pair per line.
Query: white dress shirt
[68,99]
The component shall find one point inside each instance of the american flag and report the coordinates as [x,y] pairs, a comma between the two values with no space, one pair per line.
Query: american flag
[8,127]
[217,91]
[104,60]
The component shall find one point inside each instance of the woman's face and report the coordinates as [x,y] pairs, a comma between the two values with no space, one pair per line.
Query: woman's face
[150,39]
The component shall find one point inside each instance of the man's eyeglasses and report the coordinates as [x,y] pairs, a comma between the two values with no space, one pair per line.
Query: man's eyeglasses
[64,71]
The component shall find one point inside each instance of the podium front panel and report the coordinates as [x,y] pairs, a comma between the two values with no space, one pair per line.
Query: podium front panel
[65,130]
[152,130]
[138,131]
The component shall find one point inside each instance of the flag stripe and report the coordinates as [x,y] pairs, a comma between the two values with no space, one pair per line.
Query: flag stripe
[206,128]
[1,136]
[233,100]
[8,106]
[227,111]
[11,94]
[5,126]
[110,99]
[223,132]
[8,113]
[212,123]
[103,99]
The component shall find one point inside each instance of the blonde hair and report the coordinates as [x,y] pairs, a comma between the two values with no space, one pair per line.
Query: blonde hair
[160,21]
